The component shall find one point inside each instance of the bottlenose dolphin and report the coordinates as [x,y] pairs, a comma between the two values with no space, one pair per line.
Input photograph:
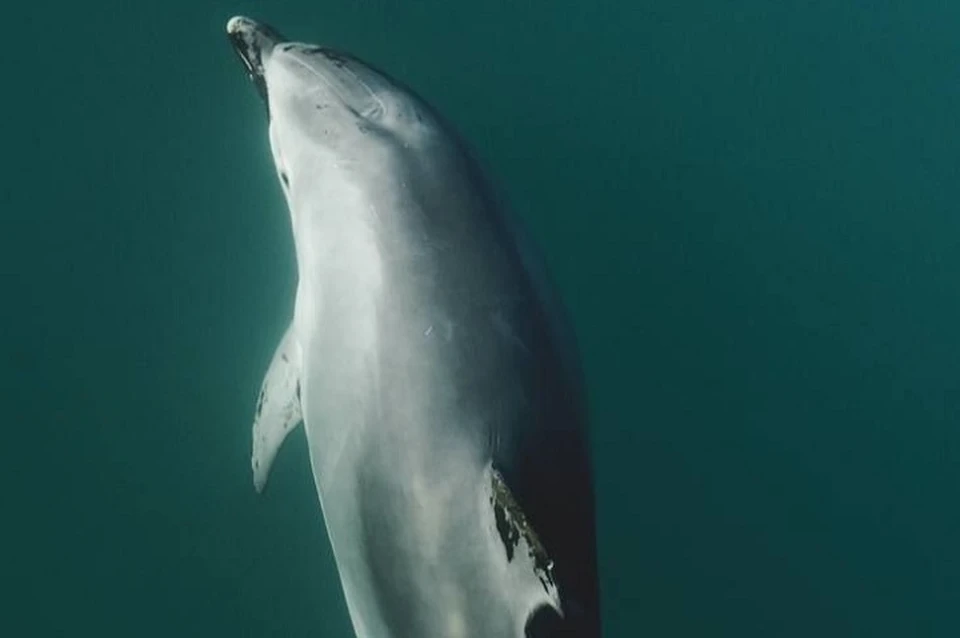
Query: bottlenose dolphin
[429,361]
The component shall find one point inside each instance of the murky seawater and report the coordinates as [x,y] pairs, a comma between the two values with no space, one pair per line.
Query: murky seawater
[750,208]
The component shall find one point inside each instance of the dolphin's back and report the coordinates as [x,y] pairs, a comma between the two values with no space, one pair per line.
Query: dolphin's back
[548,468]
[547,463]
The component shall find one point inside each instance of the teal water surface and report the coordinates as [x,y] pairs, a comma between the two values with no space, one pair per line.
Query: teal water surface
[751,209]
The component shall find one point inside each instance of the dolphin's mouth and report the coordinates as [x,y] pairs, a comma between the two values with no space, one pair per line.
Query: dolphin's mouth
[252,41]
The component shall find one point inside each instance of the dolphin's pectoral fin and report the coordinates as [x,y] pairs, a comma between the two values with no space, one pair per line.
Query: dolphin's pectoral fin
[278,408]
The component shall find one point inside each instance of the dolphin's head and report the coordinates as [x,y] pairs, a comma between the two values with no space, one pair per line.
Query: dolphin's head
[324,103]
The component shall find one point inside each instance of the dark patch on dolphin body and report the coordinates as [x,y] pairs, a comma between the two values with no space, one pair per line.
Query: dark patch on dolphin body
[260,399]
[512,525]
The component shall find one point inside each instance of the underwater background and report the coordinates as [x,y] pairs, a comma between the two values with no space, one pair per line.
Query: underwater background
[750,208]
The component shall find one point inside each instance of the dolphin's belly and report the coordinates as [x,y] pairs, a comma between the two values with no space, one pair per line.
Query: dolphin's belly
[401,455]
[412,528]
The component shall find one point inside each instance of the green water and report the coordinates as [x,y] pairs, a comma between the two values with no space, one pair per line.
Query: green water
[751,209]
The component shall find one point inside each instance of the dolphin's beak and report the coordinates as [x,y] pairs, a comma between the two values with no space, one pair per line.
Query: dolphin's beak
[253,42]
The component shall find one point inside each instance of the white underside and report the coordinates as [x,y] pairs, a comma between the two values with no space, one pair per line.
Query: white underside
[400,495]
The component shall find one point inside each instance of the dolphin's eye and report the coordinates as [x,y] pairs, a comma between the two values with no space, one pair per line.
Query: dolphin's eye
[284,179]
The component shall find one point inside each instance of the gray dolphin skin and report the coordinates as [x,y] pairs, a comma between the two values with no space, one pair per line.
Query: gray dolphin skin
[430,364]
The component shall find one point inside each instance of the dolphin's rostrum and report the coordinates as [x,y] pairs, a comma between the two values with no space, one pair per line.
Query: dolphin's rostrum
[429,362]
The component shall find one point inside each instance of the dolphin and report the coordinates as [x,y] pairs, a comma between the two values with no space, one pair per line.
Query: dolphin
[429,360]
